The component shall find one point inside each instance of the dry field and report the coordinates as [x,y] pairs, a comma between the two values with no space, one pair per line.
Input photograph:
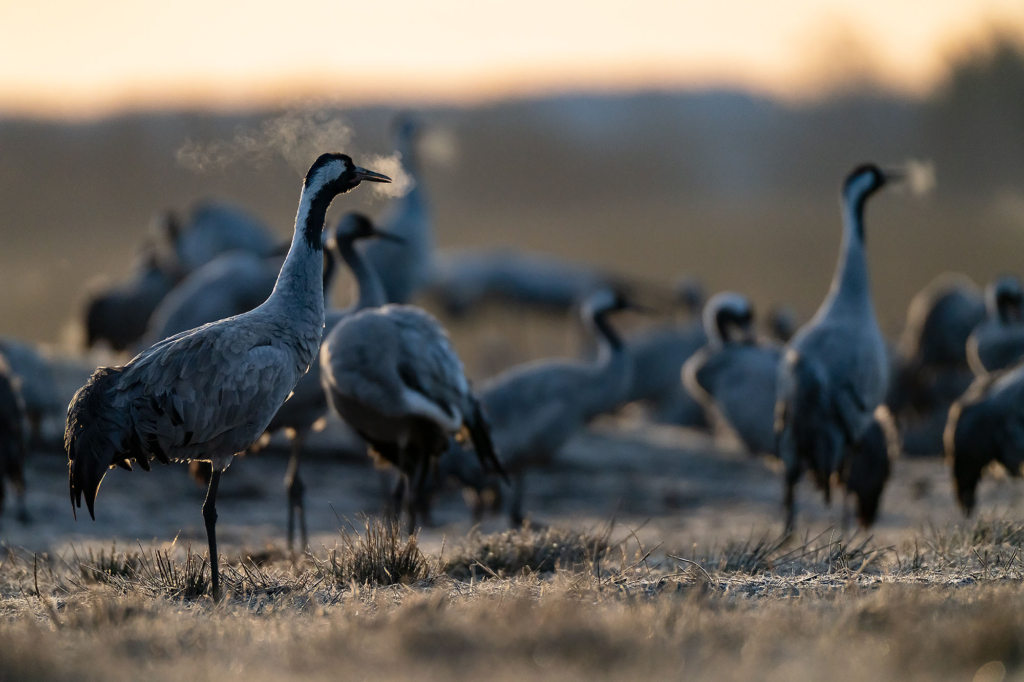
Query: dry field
[654,554]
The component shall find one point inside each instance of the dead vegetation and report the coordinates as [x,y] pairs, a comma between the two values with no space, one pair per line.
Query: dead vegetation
[549,603]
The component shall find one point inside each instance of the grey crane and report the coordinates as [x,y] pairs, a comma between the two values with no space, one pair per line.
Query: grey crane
[734,375]
[998,342]
[405,269]
[209,393]
[393,376]
[307,405]
[658,356]
[834,372]
[13,442]
[930,366]
[986,425]
[535,408]
[37,385]
[119,315]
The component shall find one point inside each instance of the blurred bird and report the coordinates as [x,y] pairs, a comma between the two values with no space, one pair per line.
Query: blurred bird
[405,269]
[228,285]
[391,374]
[658,356]
[734,376]
[119,314]
[215,228]
[37,386]
[782,323]
[13,443]
[834,372]
[930,365]
[986,425]
[467,279]
[307,406]
[535,408]
[209,393]
[998,342]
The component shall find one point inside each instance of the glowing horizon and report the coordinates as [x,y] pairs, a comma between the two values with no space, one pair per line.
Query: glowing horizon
[67,59]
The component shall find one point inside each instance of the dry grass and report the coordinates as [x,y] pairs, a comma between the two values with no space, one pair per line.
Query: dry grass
[545,603]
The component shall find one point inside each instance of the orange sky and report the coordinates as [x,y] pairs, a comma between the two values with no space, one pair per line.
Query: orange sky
[86,58]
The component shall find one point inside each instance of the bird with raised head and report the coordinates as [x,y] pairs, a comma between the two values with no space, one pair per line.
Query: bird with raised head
[734,376]
[835,371]
[535,408]
[404,269]
[209,393]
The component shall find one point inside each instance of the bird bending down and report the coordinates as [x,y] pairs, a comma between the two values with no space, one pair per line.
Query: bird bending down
[393,376]
[998,342]
[734,375]
[986,425]
[307,405]
[834,372]
[209,393]
[536,408]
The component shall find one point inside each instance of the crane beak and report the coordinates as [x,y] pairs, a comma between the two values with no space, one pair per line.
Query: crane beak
[894,174]
[389,236]
[370,176]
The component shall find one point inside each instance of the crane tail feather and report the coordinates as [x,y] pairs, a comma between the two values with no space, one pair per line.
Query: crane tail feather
[480,434]
[91,438]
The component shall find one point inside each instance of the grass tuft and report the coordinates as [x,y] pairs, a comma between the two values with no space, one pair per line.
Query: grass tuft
[380,555]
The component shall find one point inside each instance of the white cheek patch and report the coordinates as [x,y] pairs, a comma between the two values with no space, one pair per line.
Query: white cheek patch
[329,173]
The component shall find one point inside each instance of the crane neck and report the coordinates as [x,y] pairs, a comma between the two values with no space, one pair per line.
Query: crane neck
[610,371]
[370,291]
[300,285]
[330,271]
[851,283]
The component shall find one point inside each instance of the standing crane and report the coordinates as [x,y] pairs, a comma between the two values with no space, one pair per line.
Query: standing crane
[835,371]
[405,269]
[208,393]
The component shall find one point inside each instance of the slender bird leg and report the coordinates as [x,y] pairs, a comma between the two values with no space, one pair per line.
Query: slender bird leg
[413,503]
[22,515]
[397,498]
[789,501]
[421,493]
[847,516]
[516,503]
[210,516]
[296,494]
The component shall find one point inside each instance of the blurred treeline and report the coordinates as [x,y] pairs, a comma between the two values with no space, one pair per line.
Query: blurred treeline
[737,188]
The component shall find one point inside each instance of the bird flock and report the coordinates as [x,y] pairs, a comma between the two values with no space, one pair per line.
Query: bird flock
[233,339]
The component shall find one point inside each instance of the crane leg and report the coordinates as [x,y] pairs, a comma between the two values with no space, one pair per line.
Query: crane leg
[398,498]
[789,501]
[210,517]
[22,515]
[296,494]
[515,512]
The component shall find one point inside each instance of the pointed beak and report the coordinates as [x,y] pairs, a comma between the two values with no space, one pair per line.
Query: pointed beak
[894,174]
[389,236]
[370,176]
